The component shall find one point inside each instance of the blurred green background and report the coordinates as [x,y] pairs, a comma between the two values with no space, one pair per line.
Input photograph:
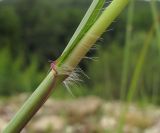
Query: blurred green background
[33,32]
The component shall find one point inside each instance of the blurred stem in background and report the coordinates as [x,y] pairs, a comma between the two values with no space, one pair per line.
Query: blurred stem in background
[156,21]
[157,29]
[136,77]
[139,65]
[140,61]
[127,50]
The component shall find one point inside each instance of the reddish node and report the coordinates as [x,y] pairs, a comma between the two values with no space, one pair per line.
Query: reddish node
[53,66]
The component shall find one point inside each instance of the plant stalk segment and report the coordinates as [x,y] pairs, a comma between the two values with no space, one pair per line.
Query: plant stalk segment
[93,34]
[32,105]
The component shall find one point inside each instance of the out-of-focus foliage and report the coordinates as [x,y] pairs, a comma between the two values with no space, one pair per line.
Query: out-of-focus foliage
[106,73]
[14,76]
[39,26]
[107,78]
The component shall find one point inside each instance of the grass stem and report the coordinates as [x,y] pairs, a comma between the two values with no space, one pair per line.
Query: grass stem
[31,106]
[127,50]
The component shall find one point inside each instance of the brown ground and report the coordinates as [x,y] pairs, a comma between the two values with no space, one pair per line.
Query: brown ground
[84,115]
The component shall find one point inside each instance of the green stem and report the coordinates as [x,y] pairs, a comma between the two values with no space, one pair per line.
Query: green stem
[102,23]
[127,50]
[135,78]
[139,66]
[156,21]
[157,29]
[88,20]
[32,105]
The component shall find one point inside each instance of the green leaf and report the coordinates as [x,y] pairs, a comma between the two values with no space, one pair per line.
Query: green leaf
[89,19]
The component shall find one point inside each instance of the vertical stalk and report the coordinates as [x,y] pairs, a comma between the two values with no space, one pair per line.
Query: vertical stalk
[127,49]
[135,78]
[157,29]
[156,21]
[155,86]
[139,66]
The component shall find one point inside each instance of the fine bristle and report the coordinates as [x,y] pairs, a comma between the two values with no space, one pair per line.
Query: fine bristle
[74,79]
